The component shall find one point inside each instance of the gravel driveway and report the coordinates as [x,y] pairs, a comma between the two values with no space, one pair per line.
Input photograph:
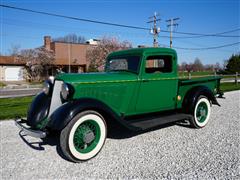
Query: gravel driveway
[170,152]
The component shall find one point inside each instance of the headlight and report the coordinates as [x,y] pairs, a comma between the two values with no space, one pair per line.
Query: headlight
[65,92]
[47,87]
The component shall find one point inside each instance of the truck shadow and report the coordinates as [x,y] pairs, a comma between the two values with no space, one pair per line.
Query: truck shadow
[120,132]
[116,132]
[52,140]
[39,143]
[124,133]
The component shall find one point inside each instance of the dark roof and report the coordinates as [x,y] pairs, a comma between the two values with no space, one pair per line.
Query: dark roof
[10,60]
[70,43]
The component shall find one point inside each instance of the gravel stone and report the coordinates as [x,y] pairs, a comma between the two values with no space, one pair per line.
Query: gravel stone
[170,152]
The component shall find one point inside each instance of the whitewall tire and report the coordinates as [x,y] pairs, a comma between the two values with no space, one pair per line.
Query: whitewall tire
[84,136]
[201,112]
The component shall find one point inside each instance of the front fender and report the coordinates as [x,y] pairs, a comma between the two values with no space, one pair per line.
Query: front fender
[64,114]
[38,110]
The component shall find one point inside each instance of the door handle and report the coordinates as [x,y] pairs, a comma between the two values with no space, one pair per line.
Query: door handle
[145,80]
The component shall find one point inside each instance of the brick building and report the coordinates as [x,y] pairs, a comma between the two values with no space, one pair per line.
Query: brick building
[69,57]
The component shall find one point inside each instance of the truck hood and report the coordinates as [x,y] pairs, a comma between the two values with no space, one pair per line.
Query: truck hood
[75,78]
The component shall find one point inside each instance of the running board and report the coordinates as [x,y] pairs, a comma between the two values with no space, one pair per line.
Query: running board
[150,122]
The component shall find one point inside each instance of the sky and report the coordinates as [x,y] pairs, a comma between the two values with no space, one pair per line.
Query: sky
[25,29]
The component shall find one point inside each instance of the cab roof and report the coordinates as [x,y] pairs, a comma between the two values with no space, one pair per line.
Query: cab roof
[143,51]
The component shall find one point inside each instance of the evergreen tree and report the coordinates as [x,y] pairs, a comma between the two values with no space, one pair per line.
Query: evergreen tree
[233,64]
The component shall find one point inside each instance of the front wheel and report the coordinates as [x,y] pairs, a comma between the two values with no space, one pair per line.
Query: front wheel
[201,112]
[84,136]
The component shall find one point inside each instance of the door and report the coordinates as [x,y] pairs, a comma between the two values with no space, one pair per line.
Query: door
[158,86]
[13,74]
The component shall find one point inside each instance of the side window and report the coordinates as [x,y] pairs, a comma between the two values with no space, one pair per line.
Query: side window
[118,64]
[159,64]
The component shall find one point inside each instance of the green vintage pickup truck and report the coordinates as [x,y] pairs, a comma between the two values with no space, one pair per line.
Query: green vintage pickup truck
[140,89]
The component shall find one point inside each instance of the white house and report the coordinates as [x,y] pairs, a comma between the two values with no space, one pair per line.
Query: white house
[10,69]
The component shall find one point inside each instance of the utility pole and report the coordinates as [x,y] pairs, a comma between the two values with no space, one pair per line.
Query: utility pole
[172,23]
[155,30]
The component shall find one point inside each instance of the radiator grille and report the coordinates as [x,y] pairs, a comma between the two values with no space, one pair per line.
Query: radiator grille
[56,100]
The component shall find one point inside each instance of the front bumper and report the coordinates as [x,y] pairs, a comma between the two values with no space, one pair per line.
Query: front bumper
[21,124]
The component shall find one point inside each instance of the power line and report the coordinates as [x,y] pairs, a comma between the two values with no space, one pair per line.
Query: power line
[135,27]
[74,18]
[93,32]
[197,45]
[202,35]
[164,45]
[205,48]
[195,35]
[184,48]
[61,28]
[30,24]
[230,31]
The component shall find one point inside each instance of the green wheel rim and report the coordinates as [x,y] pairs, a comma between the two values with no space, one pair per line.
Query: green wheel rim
[89,126]
[202,112]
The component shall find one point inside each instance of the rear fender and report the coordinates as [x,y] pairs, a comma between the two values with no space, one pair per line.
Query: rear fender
[192,96]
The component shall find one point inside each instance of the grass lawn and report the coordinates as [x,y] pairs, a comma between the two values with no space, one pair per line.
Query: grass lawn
[203,73]
[2,84]
[229,86]
[182,74]
[12,107]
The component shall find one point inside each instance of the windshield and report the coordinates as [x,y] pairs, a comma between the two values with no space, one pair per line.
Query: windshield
[128,63]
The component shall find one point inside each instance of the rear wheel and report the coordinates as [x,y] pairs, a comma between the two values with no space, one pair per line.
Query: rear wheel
[201,112]
[84,136]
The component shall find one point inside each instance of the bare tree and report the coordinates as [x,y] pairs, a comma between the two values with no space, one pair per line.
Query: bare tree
[189,67]
[183,66]
[197,65]
[217,67]
[97,54]
[14,50]
[71,38]
[209,67]
[225,62]
[38,62]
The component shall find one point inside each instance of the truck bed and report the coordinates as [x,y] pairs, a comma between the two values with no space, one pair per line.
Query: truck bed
[212,82]
[198,80]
